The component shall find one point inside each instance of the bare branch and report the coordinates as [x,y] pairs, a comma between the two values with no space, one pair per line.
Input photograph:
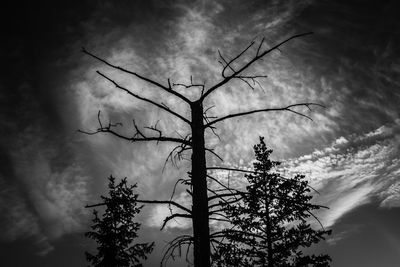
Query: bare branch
[163,107]
[230,169]
[188,85]
[207,120]
[169,202]
[248,64]
[221,184]
[167,89]
[177,153]
[219,219]
[259,47]
[228,64]
[253,79]
[137,137]
[287,108]
[215,154]
[175,244]
[175,215]
[224,64]
[226,195]
[316,218]
[182,181]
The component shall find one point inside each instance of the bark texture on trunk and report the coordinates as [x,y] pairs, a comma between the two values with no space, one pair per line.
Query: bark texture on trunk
[199,181]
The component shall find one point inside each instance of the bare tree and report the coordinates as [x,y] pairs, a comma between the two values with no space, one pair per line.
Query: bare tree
[232,69]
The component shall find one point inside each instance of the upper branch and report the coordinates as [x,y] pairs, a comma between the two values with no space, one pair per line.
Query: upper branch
[143,98]
[287,108]
[258,56]
[165,88]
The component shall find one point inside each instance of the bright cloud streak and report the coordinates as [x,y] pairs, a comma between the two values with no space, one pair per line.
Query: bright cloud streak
[349,151]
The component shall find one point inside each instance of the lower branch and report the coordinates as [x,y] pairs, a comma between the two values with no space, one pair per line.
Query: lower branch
[138,135]
[175,215]
[175,244]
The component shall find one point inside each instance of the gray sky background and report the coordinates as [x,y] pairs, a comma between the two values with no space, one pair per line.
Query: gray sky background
[49,89]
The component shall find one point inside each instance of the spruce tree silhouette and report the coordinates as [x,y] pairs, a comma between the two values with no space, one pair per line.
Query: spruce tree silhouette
[198,124]
[269,221]
[116,230]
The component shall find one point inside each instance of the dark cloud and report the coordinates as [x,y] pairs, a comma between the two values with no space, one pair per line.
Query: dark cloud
[368,228]
[49,89]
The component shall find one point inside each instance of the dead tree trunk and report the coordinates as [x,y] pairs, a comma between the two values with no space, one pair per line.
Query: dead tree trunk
[194,140]
[199,182]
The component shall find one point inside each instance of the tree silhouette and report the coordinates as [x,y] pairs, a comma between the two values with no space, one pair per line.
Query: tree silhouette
[236,68]
[269,220]
[116,230]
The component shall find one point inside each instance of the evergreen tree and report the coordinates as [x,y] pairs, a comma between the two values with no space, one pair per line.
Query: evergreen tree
[270,223]
[116,230]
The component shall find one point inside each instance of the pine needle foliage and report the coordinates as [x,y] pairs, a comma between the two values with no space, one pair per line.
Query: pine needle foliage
[115,230]
[270,226]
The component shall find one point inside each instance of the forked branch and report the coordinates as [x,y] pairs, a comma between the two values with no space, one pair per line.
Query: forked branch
[148,80]
[258,56]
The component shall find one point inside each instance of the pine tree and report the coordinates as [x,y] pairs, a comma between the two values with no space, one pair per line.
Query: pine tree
[116,230]
[270,225]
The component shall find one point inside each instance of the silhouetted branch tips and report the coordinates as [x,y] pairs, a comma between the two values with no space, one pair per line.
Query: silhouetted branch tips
[214,199]
[258,56]
[161,106]
[148,80]
[176,244]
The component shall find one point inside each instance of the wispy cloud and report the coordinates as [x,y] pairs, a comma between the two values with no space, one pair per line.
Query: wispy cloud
[351,163]
[46,197]
[353,171]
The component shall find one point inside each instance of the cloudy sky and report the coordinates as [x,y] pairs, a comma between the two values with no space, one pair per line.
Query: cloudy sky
[49,89]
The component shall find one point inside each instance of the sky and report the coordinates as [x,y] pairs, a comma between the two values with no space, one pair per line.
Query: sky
[49,89]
